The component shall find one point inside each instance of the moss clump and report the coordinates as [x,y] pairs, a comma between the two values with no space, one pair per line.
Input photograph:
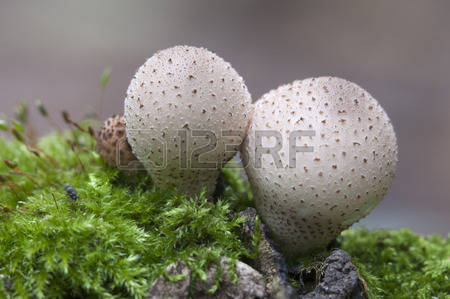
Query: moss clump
[121,233]
[400,264]
[111,242]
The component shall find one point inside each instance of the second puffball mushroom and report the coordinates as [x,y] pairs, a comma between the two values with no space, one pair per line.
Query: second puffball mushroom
[333,161]
[113,147]
[184,105]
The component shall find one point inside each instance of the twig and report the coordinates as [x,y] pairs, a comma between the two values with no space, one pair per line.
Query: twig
[72,146]
[10,164]
[20,188]
[43,111]
[12,190]
[18,135]
[54,199]
[103,82]
[18,172]
[37,151]
[70,121]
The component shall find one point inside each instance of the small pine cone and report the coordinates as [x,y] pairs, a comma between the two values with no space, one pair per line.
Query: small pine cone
[113,147]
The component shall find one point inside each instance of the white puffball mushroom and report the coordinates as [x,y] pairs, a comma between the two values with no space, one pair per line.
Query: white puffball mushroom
[332,185]
[178,104]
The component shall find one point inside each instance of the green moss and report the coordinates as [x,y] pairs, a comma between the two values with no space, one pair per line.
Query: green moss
[237,191]
[115,240]
[400,264]
[121,233]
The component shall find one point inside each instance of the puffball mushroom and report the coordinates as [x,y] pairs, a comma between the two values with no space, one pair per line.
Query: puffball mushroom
[112,144]
[327,176]
[182,108]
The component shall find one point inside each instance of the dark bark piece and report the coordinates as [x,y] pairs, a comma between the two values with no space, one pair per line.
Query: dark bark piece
[269,261]
[220,188]
[338,277]
[339,280]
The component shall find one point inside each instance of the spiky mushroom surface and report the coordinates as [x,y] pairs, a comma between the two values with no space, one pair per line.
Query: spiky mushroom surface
[112,144]
[180,107]
[312,196]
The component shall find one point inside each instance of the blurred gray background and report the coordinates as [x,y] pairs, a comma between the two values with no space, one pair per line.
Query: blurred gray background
[397,50]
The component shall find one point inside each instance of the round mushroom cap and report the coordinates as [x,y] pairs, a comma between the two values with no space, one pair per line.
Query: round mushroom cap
[336,160]
[184,110]
[112,144]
